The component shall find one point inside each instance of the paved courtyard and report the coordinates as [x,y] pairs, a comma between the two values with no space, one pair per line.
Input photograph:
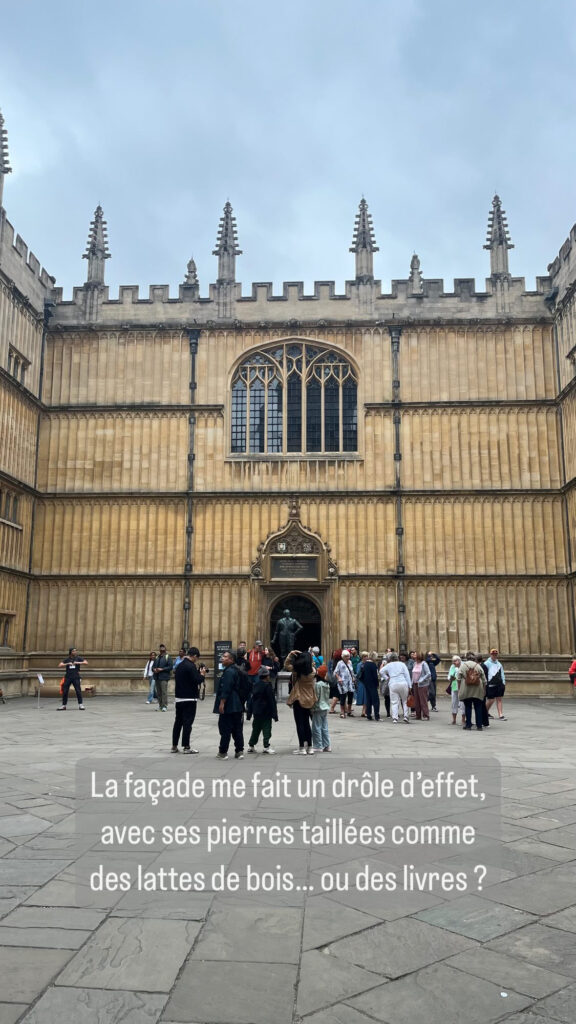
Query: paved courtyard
[507,952]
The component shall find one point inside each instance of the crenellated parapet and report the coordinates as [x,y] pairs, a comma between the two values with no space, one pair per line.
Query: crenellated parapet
[563,270]
[22,268]
[358,302]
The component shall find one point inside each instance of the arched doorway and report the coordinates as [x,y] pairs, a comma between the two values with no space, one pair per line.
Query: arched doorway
[307,614]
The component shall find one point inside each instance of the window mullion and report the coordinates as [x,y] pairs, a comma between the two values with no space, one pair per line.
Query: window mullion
[340,414]
[266,396]
[304,407]
[322,432]
[284,403]
[248,404]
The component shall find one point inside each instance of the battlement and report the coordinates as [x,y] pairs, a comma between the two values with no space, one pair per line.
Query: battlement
[360,300]
[563,269]
[22,267]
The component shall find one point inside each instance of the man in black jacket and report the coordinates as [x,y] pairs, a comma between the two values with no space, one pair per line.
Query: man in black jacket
[188,680]
[229,707]
[432,660]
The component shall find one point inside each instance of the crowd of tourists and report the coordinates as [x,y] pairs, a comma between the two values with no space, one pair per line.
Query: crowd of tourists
[349,683]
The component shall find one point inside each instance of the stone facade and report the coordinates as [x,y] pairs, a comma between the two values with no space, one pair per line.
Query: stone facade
[448,522]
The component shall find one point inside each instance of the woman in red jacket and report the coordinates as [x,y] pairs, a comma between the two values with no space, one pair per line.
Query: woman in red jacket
[572,672]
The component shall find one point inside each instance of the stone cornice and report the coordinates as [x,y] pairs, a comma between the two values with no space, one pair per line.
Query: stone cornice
[472,403]
[288,328]
[349,497]
[138,408]
[125,579]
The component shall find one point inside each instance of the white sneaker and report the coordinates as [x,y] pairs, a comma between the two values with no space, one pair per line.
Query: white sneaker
[222,757]
[81,707]
[61,708]
[251,750]
[407,720]
[268,750]
[309,751]
[300,750]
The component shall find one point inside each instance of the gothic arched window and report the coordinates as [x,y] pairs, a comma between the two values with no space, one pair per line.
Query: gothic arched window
[294,397]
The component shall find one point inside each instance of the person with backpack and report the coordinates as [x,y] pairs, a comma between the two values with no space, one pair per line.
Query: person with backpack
[471,689]
[302,696]
[261,705]
[229,703]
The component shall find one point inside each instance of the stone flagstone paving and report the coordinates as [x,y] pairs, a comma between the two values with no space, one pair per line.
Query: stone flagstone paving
[506,953]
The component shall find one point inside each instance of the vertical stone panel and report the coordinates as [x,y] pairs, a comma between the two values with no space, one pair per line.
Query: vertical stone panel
[520,617]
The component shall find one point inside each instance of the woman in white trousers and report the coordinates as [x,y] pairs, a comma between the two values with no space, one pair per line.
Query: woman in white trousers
[395,673]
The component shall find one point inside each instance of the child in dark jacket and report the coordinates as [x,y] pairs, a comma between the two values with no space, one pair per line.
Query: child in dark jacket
[261,705]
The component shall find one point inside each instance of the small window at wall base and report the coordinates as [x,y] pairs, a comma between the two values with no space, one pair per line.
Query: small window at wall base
[9,506]
[5,621]
[17,365]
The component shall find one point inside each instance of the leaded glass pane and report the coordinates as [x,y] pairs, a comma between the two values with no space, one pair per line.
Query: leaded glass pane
[239,417]
[313,417]
[331,416]
[275,417]
[294,414]
[257,415]
[349,416]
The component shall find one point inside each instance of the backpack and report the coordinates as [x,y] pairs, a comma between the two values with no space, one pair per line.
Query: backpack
[243,686]
[472,677]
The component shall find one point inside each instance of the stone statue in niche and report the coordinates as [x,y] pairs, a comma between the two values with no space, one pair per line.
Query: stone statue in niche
[287,629]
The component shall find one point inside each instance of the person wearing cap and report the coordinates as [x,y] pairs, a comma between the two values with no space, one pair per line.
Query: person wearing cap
[261,705]
[496,683]
[254,658]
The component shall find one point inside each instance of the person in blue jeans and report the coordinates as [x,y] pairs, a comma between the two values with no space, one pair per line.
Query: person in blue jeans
[320,734]
[149,677]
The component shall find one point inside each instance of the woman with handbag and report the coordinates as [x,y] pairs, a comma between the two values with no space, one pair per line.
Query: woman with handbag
[302,697]
[420,681]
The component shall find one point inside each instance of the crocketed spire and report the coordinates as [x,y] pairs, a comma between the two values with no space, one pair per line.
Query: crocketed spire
[227,246]
[4,157]
[364,243]
[498,239]
[97,248]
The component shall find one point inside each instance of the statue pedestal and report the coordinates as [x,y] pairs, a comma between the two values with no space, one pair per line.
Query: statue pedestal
[282,683]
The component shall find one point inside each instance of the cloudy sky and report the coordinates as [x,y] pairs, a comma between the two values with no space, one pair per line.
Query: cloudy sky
[161,110]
